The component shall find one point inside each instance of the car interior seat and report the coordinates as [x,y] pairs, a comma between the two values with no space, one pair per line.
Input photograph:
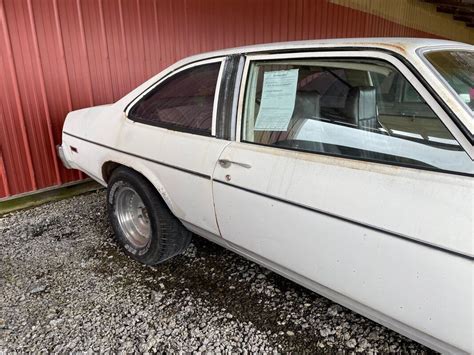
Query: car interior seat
[307,106]
[360,108]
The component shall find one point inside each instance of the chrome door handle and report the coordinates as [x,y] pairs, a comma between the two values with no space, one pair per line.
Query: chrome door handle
[225,163]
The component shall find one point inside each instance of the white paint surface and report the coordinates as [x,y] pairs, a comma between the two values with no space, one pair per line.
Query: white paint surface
[414,288]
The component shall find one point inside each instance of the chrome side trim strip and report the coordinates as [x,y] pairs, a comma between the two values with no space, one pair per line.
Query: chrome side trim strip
[351,221]
[204,176]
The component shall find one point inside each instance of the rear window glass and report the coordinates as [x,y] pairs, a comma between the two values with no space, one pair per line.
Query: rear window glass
[183,102]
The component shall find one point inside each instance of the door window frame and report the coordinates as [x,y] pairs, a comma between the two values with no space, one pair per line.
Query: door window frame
[339,54]
[169,76]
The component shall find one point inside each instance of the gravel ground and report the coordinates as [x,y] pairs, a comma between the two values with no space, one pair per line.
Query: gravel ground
[67,286]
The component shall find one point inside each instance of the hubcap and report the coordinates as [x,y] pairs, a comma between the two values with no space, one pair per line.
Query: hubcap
[132,216]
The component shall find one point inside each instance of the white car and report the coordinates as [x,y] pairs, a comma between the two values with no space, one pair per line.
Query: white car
[343,165]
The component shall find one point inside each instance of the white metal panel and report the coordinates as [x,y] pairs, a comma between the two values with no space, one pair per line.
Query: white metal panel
[365,230]
[408,282]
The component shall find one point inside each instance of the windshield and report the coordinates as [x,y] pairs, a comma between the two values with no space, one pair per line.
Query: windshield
[457,68]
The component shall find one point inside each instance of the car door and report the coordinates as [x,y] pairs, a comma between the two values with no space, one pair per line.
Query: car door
[170,130]
[324,187]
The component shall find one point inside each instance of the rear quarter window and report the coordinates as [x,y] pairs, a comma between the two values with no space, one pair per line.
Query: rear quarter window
[183,102]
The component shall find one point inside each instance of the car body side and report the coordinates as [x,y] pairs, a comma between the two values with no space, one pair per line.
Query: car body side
[375,272]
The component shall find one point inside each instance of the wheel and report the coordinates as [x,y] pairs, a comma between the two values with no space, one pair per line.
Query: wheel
[142,223]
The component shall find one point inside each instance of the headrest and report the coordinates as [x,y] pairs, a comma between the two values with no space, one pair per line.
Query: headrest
[361,104]
[307,104]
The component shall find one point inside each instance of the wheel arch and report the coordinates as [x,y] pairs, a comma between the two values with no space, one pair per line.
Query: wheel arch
[108,167]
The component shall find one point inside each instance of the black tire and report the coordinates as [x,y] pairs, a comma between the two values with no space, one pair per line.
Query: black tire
[168,236]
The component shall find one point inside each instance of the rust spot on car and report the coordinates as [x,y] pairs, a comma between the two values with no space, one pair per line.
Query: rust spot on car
[398,47]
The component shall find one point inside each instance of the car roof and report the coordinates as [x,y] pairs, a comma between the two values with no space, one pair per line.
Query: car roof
[402,45]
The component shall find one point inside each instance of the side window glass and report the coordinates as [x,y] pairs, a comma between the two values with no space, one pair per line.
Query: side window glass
[183,102]
[363,109]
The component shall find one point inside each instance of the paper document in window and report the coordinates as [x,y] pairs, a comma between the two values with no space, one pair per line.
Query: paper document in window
[278,100]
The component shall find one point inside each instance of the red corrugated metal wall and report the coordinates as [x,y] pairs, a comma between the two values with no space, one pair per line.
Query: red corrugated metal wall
[62,55]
